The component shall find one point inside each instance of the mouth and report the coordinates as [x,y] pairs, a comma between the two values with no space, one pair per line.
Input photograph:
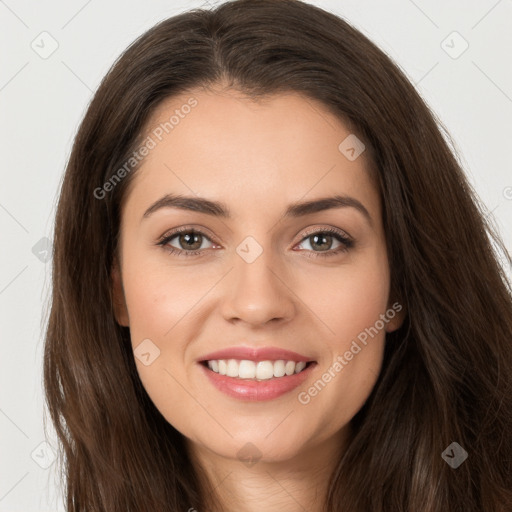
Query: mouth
[258,371]
[256,381]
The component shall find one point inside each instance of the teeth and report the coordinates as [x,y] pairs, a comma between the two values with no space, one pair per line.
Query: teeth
[246,370]
[289,368]
[280,368]
[262,370]
[232,370]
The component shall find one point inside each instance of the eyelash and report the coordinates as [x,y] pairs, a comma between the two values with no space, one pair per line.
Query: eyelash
[347,243]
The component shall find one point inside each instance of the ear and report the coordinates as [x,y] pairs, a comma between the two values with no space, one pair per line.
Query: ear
[396,314]
[120,309]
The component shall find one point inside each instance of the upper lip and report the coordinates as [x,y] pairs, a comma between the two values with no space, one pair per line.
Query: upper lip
[255,354]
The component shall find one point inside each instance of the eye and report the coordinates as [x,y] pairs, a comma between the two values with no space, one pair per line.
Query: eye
[190,242]
[190,239]
[323,240]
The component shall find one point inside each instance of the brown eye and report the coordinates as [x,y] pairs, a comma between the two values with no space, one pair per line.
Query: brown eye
[187,242]
[190,241]
[321,243]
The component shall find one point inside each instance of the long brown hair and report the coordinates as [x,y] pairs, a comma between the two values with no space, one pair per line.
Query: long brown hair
[447,373]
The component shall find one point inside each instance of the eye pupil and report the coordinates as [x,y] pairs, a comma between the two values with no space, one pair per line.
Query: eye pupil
[186,238]
[323,237]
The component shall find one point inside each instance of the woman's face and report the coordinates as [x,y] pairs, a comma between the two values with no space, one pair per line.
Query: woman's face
[259,272]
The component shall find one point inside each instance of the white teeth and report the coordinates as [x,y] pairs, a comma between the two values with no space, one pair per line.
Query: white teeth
[246,369]
[232,370]
[222,367]
[300,366]
[279,368]
[289,368]
[262,370]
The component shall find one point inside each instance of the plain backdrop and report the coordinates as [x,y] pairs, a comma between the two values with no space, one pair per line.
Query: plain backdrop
[43,97]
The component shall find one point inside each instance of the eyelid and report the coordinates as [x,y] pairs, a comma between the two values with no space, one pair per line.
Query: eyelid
[171,233]
[322,229]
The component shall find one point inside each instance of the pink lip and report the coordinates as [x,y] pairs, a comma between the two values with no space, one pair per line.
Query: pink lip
[255,354]
[253,390]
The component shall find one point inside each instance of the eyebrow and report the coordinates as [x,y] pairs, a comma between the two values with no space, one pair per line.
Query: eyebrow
[220,209]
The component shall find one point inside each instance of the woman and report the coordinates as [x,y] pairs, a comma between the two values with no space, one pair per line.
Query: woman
[273,287]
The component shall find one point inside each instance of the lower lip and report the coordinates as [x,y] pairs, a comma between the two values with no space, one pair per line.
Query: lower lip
[253,390]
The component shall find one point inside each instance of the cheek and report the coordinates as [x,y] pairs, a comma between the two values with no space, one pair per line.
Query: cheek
[351,300]
[160,298]
[163,303]
[354,344]
[160,303]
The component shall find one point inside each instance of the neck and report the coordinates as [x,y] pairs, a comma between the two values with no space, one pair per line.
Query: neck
[292,485]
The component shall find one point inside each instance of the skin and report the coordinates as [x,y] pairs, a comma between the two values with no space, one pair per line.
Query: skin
[257,158]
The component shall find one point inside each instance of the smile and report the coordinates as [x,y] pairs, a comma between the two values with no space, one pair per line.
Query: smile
[256,381]
[261,370]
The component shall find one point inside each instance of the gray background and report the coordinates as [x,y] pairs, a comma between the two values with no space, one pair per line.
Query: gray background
[43,98]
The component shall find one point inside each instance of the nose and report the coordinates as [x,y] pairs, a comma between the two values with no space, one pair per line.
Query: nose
[257,292]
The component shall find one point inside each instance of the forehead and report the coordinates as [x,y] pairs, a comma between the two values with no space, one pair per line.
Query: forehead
[224,145]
